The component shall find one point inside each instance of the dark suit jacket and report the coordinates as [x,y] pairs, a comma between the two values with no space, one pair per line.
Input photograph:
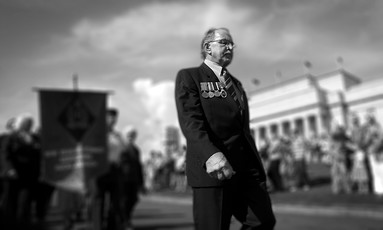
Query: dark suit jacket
[212,125]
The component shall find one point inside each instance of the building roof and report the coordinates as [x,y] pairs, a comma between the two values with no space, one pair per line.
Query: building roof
[304,77]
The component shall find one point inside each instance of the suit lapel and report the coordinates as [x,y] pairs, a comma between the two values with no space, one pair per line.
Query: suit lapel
[207,72]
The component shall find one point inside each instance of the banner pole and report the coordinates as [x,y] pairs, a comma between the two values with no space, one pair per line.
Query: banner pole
[75,82]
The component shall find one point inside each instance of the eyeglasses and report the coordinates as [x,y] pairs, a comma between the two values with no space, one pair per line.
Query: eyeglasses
[225,42]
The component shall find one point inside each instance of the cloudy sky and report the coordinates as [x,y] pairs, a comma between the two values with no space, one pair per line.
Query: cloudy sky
[135,48]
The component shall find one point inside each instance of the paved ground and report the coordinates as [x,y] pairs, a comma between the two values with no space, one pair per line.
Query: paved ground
[166,215]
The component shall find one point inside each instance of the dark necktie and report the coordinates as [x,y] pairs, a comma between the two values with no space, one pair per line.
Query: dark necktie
[230,88]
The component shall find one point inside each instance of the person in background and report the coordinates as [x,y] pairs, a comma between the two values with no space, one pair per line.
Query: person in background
[165,171]
[223,165]
[359,175]
[298,150]
[371,132]
[108,213]
[314,149]
[133,179]
[10,128]
[22,152]
[275,157]
[263,146]
[179,177]
[375,156]
[151,166]
[356,132]
[324,146]
[340,152]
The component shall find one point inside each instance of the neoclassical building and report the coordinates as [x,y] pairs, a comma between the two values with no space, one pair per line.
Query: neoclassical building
[314,104]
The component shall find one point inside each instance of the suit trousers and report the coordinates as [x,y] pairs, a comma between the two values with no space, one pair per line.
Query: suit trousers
[243,196]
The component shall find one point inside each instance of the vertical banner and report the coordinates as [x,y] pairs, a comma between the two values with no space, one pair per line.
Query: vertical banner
[74,136]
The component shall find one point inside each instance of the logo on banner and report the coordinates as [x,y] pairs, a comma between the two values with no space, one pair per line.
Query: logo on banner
[76,118]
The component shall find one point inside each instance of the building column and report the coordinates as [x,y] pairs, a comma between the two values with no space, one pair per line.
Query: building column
[293,126]
[255,134]
[306,127]
[267,131]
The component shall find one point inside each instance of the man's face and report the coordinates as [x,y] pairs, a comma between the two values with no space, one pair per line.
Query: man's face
[370,119]
[111,121]
[131,137]
[355,121]
[27,125]
[220,50]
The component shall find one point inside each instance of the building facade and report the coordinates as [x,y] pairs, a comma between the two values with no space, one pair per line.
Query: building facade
[314,104]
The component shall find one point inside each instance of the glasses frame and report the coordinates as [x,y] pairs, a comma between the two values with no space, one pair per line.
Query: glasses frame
[225,42]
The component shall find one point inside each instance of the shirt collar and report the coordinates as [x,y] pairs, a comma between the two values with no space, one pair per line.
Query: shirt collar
[217,69]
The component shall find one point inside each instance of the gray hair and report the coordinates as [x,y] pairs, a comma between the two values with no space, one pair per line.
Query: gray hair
[21,120]
[209,36]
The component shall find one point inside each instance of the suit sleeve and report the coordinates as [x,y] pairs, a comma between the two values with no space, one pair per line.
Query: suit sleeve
[191,117]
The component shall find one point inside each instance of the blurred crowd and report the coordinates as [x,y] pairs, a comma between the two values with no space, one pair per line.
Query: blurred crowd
[166,171]
[354,157]
[107,202]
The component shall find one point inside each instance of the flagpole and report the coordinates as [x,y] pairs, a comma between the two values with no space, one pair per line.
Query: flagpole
[75,81]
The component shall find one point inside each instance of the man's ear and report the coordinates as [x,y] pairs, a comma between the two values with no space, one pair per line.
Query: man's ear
[207,48]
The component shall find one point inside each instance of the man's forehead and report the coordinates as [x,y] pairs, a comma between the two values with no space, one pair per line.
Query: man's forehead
[222,34]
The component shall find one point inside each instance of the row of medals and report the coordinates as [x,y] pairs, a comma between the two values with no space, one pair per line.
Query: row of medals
[213,89]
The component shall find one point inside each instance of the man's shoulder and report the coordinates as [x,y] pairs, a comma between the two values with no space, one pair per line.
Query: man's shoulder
[190,70]
[192,75]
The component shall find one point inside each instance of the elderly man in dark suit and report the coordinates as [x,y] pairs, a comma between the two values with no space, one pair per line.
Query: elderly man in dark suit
[222,162]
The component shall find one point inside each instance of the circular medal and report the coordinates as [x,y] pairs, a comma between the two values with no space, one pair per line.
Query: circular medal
[211,94]
[223,93]
[205,94]
[217,93]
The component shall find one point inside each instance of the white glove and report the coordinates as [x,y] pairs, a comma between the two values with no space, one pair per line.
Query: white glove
[218,167]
